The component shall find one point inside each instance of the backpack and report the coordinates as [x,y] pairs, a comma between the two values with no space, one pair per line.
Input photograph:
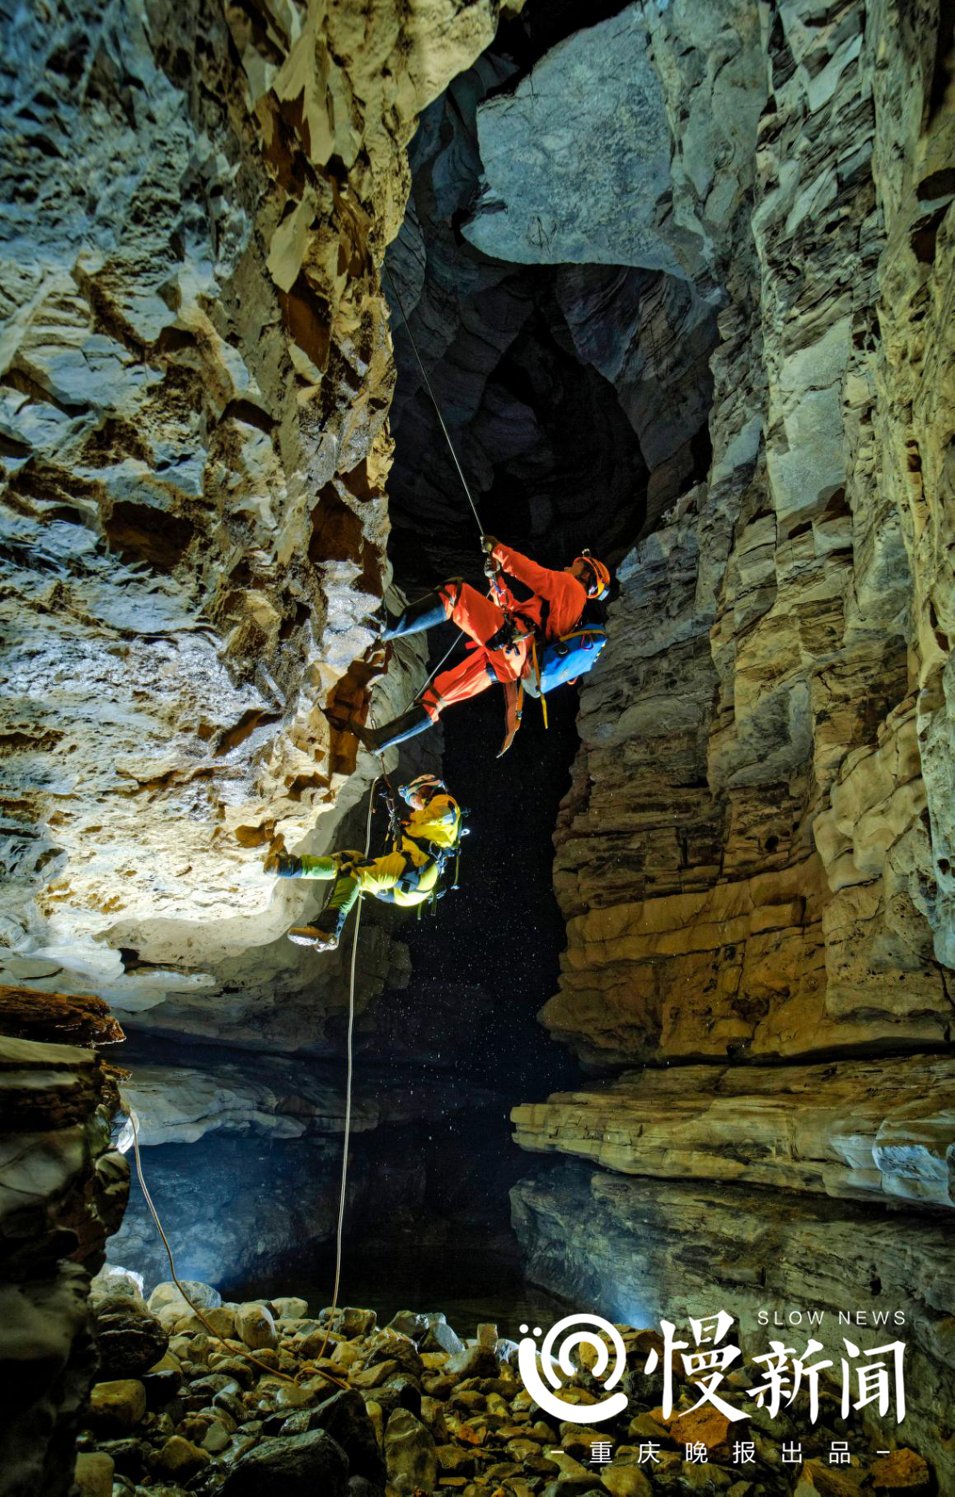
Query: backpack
[565,659]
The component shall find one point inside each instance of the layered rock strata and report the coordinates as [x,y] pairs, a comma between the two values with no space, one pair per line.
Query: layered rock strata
[754,856]
[854,1130]
[638,1248]
[749,859]
[195,374]
[62,1191]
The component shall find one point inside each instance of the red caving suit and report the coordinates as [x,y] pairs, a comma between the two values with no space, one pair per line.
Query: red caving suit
[558,602]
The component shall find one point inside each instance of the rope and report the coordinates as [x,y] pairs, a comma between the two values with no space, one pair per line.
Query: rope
[196,1310]
[134,1121]
[434,399]
[349,1076]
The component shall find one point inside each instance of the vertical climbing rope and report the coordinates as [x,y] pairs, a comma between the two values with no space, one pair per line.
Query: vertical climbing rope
[350,1070]
[229,1346]
[434,399]
[349,1077]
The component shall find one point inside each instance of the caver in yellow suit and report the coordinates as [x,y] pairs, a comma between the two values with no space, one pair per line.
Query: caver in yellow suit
[408,875]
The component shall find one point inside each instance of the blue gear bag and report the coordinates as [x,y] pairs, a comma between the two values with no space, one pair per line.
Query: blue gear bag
[565,659]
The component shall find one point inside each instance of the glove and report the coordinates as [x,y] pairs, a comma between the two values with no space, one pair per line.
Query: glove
[488,542]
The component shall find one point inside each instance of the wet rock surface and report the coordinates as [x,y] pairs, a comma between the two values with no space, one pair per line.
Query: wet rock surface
[342,1406]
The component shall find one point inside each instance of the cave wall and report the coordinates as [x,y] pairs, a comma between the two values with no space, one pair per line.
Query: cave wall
[195,377]
[195,374]
[63,1190]
[777,679]
[754,858]
[773,684]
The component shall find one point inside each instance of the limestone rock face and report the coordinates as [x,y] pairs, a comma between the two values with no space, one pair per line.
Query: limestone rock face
[594,183]
[753,857]
[62,1190]
[859,1130]
[195,373]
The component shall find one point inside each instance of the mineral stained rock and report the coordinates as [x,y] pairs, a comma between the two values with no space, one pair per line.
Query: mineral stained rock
[754,857]
[195,374]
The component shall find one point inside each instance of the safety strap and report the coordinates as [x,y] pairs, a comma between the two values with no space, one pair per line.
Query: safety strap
[536,666]
[513,712]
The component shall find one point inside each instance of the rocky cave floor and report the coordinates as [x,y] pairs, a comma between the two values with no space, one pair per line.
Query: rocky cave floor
[263,1397]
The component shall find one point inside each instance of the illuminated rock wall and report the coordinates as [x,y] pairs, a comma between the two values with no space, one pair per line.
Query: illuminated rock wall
[195,374]
[754,858]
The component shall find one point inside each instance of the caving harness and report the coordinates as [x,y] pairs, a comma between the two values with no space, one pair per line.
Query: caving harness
[436,858]
[551,663]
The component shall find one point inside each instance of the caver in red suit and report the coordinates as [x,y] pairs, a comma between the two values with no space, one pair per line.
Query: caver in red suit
[503,631]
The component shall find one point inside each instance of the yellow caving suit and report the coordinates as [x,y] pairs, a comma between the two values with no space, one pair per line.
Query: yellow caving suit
[405,876]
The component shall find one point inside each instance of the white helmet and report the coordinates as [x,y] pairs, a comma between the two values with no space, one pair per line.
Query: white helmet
[426,785]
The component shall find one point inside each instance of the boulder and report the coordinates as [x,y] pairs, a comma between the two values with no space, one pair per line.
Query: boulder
[293,1465]
[181,1458]
[254,1325]
[94,1474]
[442,1337]
[392,1346]
[166,1296]
[473,1361]
[216,1438]
[410,1454]
[345,1418]
[374,1376]
[289,1307]
[349,1320]
[901,1471]
[114,1283]
[625,1481]
[117,1405]
[129,1339]
[222,1320]
[127,1455]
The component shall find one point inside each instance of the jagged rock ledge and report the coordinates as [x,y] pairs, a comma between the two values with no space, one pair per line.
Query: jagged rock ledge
[876,1129]
[62,1192]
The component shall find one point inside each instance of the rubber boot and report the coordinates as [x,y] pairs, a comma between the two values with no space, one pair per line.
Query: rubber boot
[418,617]
[415,720]
[310,935]
[322,939]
